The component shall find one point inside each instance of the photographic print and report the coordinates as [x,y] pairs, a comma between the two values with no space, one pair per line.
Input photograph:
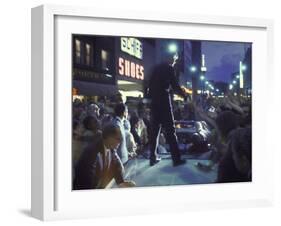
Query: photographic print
[148,105]
[160,112]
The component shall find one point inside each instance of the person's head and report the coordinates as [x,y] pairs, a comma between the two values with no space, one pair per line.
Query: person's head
[226,121]
[111,135]
[77,102]
[121,110]
[102,111]
[94,110]
[91,123]
[169,59]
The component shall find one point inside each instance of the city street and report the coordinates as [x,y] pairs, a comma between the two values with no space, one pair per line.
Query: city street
[188,98]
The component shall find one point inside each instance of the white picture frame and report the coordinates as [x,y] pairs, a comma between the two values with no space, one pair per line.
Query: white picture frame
[51,198]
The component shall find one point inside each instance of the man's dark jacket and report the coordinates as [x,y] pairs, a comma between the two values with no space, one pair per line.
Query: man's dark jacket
[94,170]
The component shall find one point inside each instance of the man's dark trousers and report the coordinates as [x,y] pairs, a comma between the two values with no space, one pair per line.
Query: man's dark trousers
[162,117]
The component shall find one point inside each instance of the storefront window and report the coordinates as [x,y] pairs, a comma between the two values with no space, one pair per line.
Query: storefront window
[77,51]
[88,54]
[105,60]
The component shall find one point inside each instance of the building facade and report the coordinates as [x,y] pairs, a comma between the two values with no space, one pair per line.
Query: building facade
[107,65]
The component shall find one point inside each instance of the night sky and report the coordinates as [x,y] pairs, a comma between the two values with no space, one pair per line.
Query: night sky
[222,58]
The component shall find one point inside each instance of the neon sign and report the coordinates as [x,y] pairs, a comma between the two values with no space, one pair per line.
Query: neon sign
[132,46]
[130,69]
[241,79]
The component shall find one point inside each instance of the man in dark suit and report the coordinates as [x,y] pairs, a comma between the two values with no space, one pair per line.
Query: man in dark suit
[99,163]
[162,82]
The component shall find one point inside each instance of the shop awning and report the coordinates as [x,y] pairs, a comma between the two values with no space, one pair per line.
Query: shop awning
[94,89]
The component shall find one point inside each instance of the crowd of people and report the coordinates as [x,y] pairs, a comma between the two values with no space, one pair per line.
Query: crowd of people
[107,134]
[91,122]
[224,123]
[231,135]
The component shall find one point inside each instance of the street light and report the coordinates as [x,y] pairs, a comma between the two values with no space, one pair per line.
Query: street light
[193,68]
[230,86]
[173,48]
[237,76]
[217,90]
[234,82]
[244,67]
[202,77]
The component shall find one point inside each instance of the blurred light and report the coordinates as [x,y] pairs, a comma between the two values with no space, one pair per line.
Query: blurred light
[207,82]
[230,86]
[237,76]
[241,81]
[173,48]
[186,90]
[234,82]
[193,69]
[202,77]
[235,94]
[217,90]
[204,69]
[241,78]
[244,67]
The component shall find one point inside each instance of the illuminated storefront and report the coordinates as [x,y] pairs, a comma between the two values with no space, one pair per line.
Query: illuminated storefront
[106,66]
[134,60]
[93,70]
